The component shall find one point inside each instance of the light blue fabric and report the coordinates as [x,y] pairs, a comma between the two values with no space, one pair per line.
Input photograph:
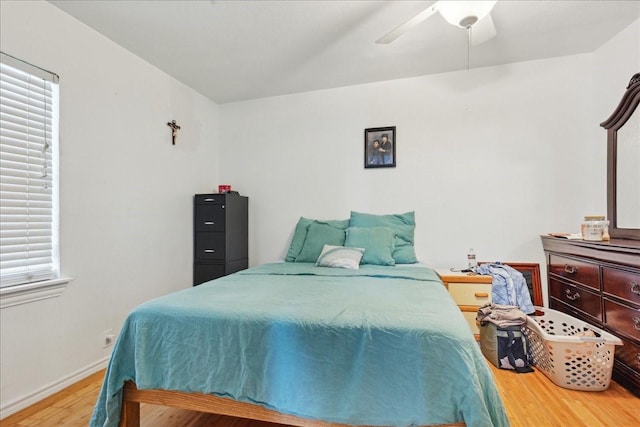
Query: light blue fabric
[374,346]
[508,287]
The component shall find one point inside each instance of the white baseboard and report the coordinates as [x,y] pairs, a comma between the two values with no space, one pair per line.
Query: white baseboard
[42,393]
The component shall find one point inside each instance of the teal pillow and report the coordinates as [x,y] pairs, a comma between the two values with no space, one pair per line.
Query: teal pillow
[300,234]
[378,244]
[402,225]
[319,234]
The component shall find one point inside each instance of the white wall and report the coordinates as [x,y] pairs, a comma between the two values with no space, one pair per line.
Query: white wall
[484,158]
[126,196]
[490,158]
[613,65]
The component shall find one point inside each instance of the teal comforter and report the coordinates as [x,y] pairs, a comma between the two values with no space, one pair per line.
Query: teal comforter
[379,346]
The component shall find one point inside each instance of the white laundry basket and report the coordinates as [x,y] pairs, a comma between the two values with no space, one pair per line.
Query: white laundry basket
[569,359]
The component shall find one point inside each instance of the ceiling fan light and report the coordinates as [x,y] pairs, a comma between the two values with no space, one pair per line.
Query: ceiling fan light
[461,13]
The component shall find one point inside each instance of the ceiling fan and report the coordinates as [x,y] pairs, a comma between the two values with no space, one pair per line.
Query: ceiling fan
[474,16]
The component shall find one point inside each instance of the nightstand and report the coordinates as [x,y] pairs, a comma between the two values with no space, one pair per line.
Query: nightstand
[469,291]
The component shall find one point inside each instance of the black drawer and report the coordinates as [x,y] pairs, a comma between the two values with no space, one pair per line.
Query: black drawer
[209,246]
[209,199]
[205,272]
[209,217]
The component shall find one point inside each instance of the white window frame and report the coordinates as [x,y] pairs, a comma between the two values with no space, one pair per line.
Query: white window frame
[52,285]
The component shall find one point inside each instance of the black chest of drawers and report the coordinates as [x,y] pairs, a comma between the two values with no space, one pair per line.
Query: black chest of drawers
[599,282]
[220,235]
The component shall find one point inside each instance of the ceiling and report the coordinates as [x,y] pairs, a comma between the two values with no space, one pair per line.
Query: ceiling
[239,50]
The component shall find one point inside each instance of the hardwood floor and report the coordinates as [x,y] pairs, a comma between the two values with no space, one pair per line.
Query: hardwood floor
[530,400]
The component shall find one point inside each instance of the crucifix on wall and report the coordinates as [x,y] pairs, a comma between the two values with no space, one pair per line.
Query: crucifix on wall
[174,130]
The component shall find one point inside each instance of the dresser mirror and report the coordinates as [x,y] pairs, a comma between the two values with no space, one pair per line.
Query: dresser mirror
[623,164]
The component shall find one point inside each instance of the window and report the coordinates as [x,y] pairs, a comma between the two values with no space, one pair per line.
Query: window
[28,174]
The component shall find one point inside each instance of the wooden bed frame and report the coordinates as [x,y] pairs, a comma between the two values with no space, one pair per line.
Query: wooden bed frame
[132,397]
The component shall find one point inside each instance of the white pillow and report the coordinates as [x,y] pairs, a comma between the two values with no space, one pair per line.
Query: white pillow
[340,257]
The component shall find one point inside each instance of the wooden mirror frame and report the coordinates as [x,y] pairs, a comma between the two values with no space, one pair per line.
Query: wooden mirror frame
[625,109]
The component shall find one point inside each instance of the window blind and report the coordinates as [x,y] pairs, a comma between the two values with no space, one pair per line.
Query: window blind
[28,226]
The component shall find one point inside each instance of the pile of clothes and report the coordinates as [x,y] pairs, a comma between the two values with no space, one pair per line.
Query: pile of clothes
[501,321]
[501,338]
[509,286]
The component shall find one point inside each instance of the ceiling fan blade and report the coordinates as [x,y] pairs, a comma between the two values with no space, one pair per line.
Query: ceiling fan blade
[397,32]
[482,31]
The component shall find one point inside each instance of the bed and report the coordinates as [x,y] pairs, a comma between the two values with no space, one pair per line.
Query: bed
[308,346]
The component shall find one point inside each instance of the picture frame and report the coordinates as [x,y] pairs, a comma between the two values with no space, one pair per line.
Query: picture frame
[380,147]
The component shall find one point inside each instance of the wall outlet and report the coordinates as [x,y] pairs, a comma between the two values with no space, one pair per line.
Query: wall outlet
[108,338]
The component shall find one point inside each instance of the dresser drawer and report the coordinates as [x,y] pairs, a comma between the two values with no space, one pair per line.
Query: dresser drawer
[576,297]
[209,199]
[579,271]
[205,272]
[622,318]
[209,246]
[621,283]
[629,354]
[470,293]
[209,217]
[571,311]
[470,317]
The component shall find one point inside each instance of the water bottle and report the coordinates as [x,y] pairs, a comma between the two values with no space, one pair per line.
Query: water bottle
[471,259]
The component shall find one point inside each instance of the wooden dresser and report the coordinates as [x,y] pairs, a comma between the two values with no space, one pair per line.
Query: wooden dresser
[469,291]
[599,282]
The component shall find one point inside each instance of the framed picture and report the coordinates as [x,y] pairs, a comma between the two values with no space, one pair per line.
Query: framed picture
[380,147]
